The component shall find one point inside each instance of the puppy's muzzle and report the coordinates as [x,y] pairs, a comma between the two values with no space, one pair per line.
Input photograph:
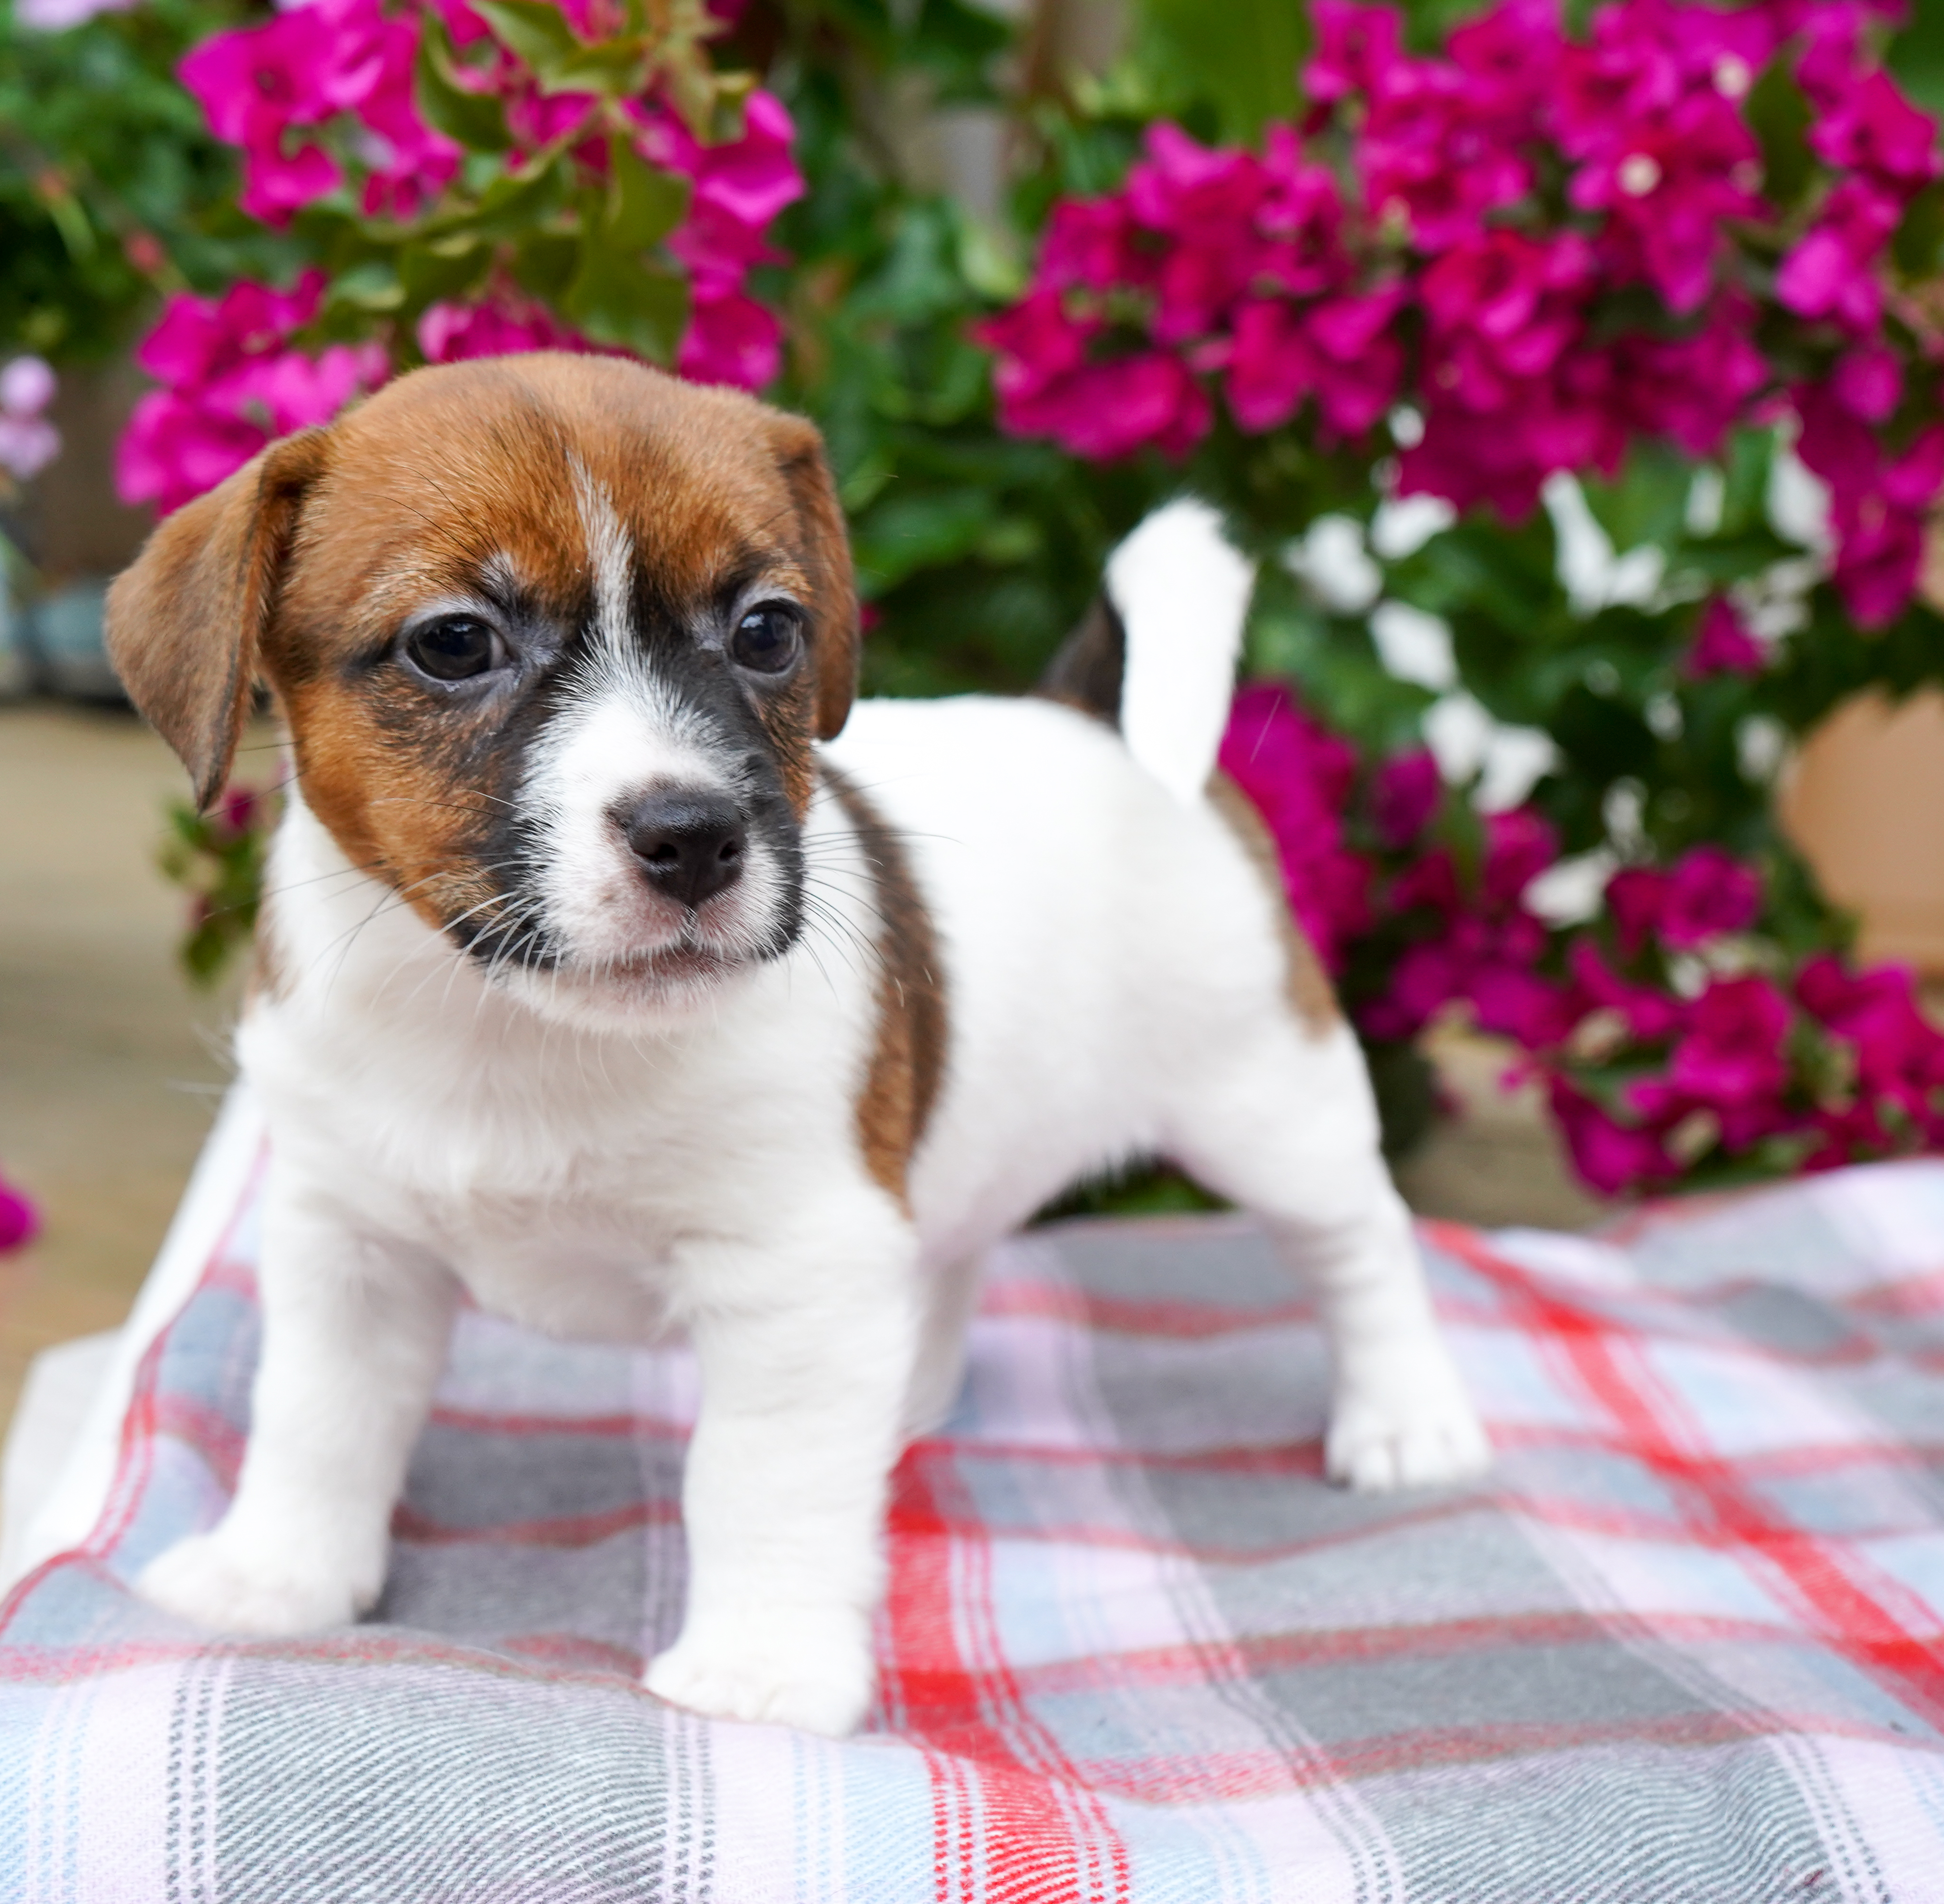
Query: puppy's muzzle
[690,846]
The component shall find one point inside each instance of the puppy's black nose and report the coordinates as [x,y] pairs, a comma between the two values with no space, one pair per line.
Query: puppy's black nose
[690,845]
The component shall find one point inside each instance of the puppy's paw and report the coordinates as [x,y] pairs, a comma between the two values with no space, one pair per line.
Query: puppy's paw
[1402,1419]
[779,1667]
[232,1587]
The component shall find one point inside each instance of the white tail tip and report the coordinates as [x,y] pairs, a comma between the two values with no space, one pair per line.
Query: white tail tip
[1182,590]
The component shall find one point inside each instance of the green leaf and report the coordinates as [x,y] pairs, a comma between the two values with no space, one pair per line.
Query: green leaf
[511,207]
[1647,502]
[476,120]
[544,263]
[1916,55]
[372,286]
[617,68]
[1779,117]
[534,30]
[616,299]
[644,204]
[1240,56]
[1919,237]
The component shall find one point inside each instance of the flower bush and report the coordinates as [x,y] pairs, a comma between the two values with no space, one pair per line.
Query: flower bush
[467,181]
[1675,1046]
[1576,391]
[1654,279]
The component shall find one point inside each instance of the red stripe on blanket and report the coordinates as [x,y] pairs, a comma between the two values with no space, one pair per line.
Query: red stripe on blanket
[1011,1822]
[1853,1618]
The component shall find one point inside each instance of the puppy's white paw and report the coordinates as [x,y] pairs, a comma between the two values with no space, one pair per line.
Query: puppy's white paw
[232,1587]
[778,1668]
[1402,1419]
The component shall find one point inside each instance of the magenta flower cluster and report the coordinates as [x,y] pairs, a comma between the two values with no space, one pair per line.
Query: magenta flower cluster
[20,1221]
[231,375]
[1456,232]
[1654,1040]
[231,380]
[268,89]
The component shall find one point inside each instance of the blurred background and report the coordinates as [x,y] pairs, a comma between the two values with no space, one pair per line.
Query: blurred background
[1610,779]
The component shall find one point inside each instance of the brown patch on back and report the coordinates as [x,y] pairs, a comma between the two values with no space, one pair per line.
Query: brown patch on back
[1306,983]
[908,1061]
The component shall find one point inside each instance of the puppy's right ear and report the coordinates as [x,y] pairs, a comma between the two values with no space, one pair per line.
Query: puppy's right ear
[185,621]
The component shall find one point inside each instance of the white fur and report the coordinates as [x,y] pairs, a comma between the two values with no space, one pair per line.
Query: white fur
[1182,590]
[686,1158]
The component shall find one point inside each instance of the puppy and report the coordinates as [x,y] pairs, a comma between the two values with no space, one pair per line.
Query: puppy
[600,981]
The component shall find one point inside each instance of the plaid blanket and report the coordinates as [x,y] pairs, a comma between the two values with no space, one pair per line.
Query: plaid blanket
[1685,1644]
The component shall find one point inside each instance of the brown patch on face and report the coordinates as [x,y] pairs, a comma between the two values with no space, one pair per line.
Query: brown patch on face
[908,1061]
[448,483]
[1306,983]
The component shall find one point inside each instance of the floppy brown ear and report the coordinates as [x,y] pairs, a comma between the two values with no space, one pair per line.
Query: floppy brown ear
[835,642]
[185,620]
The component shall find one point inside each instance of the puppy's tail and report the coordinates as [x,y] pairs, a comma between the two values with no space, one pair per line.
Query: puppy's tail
[1156,654]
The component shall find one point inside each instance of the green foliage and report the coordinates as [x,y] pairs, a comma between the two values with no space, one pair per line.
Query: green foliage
[110,184]
[219,857]
[975,552]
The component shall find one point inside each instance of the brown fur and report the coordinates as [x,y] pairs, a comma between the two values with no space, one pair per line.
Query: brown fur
[1306,984]
[908,1061]
[1090,668]
[303,566]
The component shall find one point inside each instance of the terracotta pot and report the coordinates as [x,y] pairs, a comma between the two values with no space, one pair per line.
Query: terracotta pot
[1864,802]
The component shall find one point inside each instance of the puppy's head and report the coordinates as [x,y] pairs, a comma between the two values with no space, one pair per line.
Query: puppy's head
[553,635]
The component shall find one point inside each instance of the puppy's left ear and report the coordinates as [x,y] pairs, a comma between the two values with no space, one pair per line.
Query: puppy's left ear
[834,640]
[185,621]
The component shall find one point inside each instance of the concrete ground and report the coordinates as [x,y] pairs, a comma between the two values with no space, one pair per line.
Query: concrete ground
[111,1065]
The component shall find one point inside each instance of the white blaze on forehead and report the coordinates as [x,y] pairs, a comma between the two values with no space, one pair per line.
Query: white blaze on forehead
[610,553]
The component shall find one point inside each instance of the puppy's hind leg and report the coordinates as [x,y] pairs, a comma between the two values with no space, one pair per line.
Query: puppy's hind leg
[1288,1129]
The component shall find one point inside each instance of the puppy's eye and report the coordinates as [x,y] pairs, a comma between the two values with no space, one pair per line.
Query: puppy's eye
[454,647]
[767,639]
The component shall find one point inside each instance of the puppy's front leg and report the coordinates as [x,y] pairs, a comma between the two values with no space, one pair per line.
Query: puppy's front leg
[354,1334]
[806,1348]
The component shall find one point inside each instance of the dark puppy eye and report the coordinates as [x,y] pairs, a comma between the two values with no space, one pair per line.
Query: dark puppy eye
[767,639]
[454,647]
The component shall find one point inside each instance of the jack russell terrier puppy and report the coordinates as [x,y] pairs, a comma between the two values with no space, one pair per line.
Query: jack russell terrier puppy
[617,973]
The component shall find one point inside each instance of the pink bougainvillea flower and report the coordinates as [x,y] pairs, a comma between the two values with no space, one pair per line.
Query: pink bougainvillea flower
[730,339]
[1899,1053]
[1873,128]
[1693,390]
[1709,893]
[1635,896]
[1519,846]
[1299,777]
[232,382]
[1611,1156]
[1868,381]
[1730,1057]
[1648,1015]
[1091,242]
[1403,797]
[1356,48]
[1205,202]
[1666,186]
[20,1221]
[1722,645]
[1271,368]
[28,441]
[501,326]
[1831,272]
